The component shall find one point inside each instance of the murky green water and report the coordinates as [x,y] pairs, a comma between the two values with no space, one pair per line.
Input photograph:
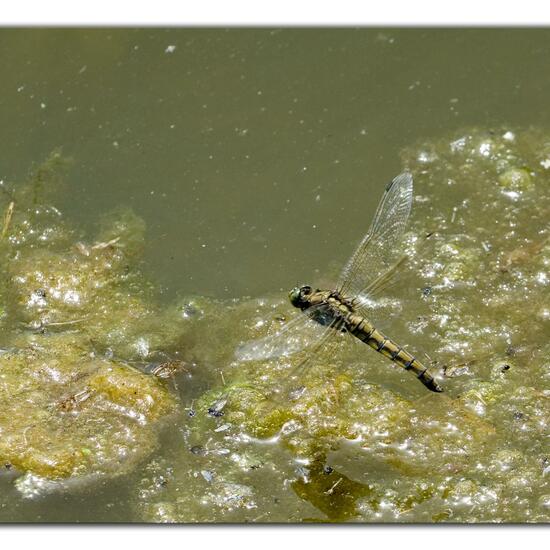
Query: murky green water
[246,161]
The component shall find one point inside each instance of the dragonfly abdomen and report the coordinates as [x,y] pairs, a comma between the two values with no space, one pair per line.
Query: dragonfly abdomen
[362,329]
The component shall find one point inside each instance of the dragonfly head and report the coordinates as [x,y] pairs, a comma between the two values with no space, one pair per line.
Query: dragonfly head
[299,296]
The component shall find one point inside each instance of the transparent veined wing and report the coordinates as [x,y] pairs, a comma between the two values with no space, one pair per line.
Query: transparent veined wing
[294,380]
[380,249]
[304,330]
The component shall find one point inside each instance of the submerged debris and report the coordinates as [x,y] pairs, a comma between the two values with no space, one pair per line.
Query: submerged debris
[73,401]
[522,254]
[216,409]
[168,369]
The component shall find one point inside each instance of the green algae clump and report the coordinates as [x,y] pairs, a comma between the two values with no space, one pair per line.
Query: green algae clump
[516,179]
[74,402]
[76,316]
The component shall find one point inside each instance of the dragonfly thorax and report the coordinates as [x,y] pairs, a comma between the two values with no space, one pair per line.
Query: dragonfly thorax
[304,297]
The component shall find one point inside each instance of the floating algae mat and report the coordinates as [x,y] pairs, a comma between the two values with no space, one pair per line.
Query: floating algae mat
[84,340]
[74,314]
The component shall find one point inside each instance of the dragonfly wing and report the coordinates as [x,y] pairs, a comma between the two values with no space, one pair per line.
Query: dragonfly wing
[298,333]
[379,249]
[366,301]
[295,379]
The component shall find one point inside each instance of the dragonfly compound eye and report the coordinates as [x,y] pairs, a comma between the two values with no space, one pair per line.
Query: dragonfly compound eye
[295,297]
[299,296]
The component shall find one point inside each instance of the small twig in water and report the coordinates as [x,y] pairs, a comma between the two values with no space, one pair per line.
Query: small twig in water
[331,490]
[101,246]
[453,216]
[7,219]
[62,323]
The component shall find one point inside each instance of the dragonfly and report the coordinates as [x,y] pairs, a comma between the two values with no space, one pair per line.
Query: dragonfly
[344,310]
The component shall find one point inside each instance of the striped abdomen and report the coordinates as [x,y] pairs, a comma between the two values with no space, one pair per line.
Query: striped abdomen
[362,329]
